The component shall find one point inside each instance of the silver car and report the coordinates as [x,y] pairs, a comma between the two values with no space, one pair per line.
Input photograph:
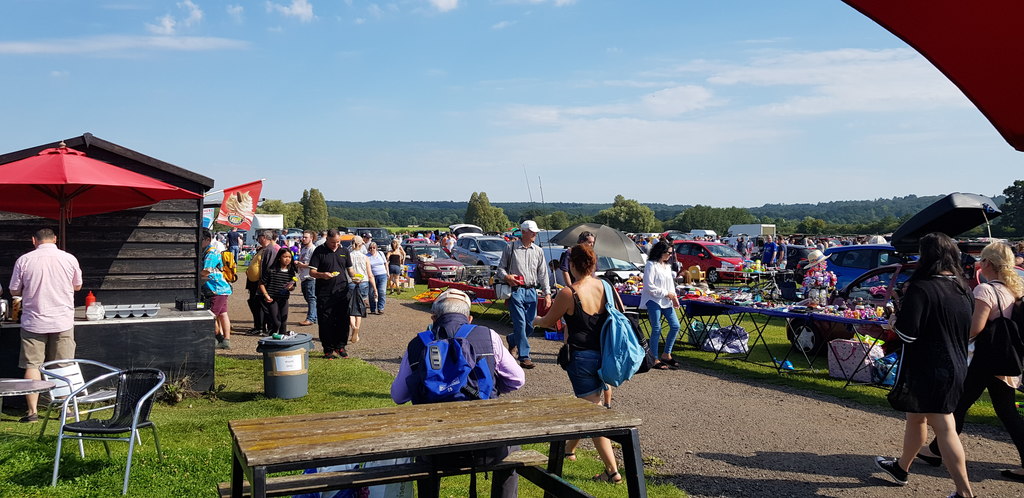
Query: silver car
[481,251]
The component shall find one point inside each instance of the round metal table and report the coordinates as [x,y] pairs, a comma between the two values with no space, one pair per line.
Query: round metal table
[21,387]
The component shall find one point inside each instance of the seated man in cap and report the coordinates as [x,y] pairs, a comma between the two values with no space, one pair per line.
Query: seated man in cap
[449,313]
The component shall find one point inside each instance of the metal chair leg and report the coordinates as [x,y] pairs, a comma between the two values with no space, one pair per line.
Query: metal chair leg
[46,419]
[106,446]
[56,459]
[156,442]
[128,466]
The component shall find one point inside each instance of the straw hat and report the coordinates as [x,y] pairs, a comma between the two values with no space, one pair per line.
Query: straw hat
[815,258]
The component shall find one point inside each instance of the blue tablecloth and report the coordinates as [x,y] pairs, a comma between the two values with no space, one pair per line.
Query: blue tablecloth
[695,307]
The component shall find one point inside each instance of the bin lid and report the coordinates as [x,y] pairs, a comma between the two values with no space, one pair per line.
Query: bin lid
[296,340]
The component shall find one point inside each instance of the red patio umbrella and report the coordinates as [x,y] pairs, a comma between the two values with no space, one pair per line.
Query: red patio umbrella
[978,45]
[62,183]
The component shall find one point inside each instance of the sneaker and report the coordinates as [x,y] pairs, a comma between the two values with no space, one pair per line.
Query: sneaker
[892,467]
[329,355]
[219,337]
[306,323]
[224,344]
[342,353]
[526,363]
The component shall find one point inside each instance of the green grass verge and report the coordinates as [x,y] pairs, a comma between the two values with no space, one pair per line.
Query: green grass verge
[196,442]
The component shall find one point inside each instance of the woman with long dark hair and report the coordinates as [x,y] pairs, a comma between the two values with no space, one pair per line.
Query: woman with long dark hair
[998,296]
[933,322]
[659,296]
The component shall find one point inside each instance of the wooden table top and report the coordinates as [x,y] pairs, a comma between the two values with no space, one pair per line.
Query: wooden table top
[18,387]
[418,429]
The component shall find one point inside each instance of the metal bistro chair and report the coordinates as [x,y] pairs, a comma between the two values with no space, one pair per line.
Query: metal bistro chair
[69,378]
[135,390]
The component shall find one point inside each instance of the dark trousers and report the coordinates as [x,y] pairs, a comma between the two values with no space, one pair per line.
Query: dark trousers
[332,320]
[1003,398]
[258,307]
[277,313]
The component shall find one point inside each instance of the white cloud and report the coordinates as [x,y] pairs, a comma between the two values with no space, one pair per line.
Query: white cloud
[445,5]
[164,26]
[847,80]
[360,20]
[59,74]
[236,12]
[503,24]
[195,14]
[375,10]
[300,9]
[110,45]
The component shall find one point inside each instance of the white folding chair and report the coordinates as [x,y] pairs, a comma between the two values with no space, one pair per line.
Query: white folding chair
[67,377]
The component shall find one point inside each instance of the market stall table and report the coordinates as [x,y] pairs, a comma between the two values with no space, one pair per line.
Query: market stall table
[295,442]
[21,387]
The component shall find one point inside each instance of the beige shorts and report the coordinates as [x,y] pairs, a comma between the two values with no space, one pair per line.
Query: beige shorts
[37,349]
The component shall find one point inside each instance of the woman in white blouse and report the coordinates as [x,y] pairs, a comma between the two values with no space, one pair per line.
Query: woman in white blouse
[659,295]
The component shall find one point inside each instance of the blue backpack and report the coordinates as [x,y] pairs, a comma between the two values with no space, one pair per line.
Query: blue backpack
[621,352]
[451,369]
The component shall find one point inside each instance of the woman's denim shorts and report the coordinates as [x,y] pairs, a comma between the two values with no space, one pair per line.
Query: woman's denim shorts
[583,372]
[395,269]
[364,288]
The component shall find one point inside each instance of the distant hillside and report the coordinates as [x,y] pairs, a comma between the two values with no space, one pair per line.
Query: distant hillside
[401,213]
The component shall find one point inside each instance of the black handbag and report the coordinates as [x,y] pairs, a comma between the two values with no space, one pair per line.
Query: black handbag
[1000,347]
[564,355]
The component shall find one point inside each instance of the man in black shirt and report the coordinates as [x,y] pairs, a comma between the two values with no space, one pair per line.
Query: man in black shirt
[234,241]
[331,266]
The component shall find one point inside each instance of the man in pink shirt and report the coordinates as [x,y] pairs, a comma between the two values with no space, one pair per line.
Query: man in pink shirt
[47,279]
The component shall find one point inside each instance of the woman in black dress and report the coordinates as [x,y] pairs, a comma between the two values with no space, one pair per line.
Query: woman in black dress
[933,322]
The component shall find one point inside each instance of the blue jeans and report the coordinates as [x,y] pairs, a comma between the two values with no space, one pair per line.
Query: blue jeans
[377,301]
[309,293]
[522,307]
[655,312]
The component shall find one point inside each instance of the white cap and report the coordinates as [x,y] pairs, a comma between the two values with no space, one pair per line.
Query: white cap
[529,225]
[454,294]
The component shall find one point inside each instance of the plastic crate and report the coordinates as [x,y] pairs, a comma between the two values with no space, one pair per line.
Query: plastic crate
[552,335]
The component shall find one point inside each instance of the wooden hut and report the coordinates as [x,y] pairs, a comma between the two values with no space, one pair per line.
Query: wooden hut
[136,256]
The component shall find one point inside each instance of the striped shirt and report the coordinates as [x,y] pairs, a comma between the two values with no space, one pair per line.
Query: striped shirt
[275,280]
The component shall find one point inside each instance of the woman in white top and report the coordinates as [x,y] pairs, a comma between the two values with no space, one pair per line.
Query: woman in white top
[359,287]
[659,295]
[998,296]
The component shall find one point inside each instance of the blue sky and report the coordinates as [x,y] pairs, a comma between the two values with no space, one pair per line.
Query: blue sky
[719,103]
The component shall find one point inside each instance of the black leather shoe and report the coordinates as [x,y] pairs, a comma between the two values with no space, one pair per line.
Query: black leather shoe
[1011,475]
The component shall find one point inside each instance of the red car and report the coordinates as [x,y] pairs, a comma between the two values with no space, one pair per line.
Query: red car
[431,262]
[709,256]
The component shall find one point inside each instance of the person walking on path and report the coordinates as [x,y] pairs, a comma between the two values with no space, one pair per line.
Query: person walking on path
[659,296]
[379,269]
[583,306]
[396,259]
[998,297]
[218,289]
[307,282]
[523,267]
[46,279]
[234,239]
[276,285]
[331,266]
[933,322]
[358,287]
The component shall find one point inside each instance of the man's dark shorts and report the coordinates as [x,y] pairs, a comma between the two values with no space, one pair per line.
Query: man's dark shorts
[219,304]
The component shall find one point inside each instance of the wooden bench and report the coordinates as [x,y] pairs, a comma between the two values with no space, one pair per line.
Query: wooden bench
[326,481]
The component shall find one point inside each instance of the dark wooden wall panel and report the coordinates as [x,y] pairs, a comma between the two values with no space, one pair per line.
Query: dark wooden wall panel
[144,255]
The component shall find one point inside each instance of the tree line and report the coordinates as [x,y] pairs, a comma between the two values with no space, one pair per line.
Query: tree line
[837,217]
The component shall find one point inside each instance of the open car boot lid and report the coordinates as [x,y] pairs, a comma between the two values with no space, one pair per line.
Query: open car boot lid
[952,215]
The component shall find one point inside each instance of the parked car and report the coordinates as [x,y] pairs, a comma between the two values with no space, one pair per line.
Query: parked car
[544,237]
[379,235]
[850,262]
[796,256]
[431,262]
[483,250]
[460,229]
[709,256]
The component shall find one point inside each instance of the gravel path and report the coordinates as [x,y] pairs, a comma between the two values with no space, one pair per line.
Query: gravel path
[713,434]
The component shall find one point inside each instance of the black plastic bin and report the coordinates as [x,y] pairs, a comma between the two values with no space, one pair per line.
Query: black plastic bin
[286,365]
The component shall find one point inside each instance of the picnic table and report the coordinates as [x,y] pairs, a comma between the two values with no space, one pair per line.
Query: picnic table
[295,442]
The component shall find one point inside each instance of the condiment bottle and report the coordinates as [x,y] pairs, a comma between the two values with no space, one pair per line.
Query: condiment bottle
[89,299]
